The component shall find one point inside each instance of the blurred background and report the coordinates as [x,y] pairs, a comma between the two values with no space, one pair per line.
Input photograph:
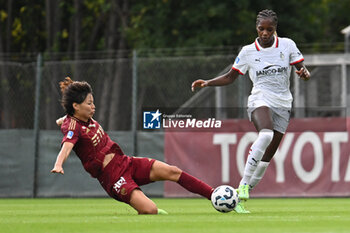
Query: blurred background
[145,54]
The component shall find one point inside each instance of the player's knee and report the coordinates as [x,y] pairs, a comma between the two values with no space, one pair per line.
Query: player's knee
[266,136]
[174,171]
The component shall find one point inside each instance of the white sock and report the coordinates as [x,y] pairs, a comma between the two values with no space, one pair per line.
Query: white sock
[256,152]
[251,164]
[258,174]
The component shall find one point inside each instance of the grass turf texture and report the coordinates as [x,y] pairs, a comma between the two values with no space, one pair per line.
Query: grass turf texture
[185,215]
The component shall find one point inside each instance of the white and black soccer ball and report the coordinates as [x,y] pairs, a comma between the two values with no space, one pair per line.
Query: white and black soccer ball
[224,198]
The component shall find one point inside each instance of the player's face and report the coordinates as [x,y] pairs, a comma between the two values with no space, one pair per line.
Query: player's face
[86,109]
[266,29]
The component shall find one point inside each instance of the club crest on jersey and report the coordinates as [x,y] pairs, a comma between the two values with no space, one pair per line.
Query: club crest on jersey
[281,56]
[70,134]
[86,129]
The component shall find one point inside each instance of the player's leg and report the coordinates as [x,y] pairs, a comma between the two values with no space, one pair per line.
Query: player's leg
[272,148]
[163,171]
[126,190]
[262,119]
[280,119]
[265,161]
[141,203]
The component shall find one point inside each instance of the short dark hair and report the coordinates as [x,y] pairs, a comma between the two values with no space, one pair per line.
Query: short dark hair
[267,14]
[73,92]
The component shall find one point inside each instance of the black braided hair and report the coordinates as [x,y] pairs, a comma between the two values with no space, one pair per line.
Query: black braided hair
[267,14]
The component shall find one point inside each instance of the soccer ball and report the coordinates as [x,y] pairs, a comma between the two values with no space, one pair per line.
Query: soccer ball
[224,198]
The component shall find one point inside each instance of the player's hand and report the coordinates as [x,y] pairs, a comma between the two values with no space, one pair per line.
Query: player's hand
[199,83]
[59,121]
[57,169]
[303,73]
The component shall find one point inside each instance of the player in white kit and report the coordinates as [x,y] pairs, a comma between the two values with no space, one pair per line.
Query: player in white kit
[269,61]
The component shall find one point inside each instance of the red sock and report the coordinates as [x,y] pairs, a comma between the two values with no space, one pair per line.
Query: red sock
[195,185]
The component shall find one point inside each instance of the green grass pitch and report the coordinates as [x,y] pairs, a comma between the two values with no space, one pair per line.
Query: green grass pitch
[185,215]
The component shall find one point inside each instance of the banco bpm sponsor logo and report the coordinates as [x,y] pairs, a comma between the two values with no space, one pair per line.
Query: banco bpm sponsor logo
[271,70]
[157,120]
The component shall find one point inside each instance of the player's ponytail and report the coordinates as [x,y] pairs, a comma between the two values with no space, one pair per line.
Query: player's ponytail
[65,83]
[73,92]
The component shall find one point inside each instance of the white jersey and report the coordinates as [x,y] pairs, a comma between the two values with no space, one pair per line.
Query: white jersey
[269,69]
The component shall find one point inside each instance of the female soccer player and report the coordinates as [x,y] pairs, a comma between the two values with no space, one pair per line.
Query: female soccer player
[268,60]
[119,175]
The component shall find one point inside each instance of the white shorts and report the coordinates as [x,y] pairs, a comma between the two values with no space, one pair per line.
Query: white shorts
[280,116]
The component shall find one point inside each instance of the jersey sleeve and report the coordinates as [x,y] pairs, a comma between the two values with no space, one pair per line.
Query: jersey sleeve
[70,132]
[241,63]
[295,55]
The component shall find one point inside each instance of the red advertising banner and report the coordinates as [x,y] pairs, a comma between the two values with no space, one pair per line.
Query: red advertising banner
[313,158]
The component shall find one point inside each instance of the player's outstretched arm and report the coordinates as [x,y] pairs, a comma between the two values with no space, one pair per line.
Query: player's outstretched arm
[61,157]
[221,80]
[302,71]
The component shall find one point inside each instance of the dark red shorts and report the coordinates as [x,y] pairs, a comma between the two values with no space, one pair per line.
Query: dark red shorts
[124,174]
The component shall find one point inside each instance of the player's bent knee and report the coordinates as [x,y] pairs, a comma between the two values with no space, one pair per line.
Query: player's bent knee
[174,172]
[266,136]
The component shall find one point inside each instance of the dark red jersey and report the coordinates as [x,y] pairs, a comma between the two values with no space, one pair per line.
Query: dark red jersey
[91,143]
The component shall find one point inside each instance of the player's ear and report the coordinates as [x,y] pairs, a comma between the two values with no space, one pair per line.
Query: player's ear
[76,106]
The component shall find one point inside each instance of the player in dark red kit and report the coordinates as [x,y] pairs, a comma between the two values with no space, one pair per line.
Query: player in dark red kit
[119,175]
